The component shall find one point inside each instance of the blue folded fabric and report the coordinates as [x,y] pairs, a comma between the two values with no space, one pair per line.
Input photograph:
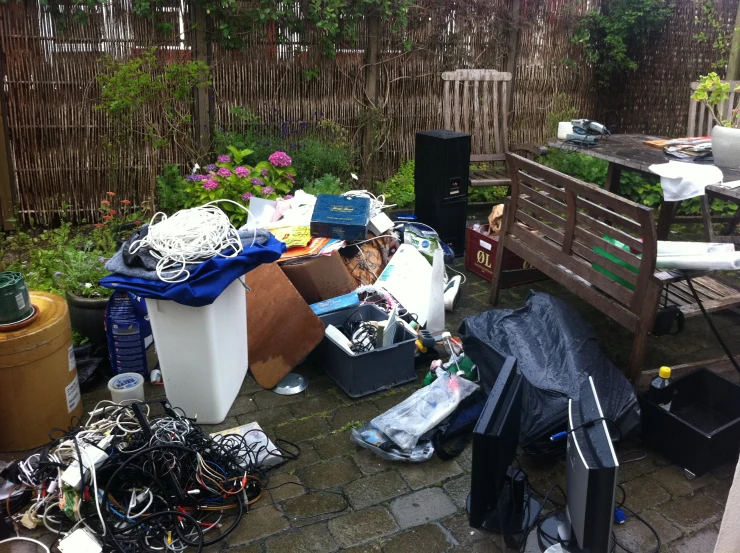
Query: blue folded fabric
[206,281]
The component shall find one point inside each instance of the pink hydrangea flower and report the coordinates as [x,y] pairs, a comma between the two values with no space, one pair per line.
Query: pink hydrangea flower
[267,190]
[291,178]
[224,159]
[264,172]
[280,159]
[288,197]
[242,172]
[223,172]
[210,184]
[247,196]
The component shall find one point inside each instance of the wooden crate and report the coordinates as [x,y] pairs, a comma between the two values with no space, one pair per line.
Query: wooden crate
[480,255]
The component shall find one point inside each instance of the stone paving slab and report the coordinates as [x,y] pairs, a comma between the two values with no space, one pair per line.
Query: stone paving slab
[362,526]
[421,507]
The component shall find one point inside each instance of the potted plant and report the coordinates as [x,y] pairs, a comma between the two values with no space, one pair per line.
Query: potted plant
[714,93]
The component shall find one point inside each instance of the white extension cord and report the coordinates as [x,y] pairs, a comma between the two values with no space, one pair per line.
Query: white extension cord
[189,237]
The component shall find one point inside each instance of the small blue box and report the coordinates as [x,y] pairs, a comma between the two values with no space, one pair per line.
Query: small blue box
[340,217]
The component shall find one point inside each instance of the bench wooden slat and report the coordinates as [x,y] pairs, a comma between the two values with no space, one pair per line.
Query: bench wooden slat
[589,239]
[574,264]
[534,182]
[476,129]
[487,158]
[466,108]
[486,149]
[537,197]
[619,313]
[610,231]
[613,217]
[578,248]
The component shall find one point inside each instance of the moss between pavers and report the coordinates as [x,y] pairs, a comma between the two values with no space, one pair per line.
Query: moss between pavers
[375,489]
[335,445]
[302,430]
[329,473]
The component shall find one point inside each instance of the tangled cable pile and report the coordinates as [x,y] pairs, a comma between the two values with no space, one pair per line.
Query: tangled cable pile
[189,237]
[161,484]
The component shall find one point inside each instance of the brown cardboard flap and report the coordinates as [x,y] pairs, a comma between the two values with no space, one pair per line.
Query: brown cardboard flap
[281,328]
[320,278]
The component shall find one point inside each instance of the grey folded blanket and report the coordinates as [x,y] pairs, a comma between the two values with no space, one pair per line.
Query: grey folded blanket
[143,264]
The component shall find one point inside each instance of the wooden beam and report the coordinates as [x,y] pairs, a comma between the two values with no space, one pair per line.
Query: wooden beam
[512,53]
[372,72]
[203,106]
[7,174]
[733,64]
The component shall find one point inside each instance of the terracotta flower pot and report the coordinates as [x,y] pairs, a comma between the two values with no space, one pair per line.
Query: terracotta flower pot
[88,315]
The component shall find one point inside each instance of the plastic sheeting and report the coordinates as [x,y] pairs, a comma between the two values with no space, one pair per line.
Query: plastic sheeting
[556,352]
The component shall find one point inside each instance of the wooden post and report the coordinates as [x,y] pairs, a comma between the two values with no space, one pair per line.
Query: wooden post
[371,95]
[203,106]
[512,53]
[7,175]
[733,64]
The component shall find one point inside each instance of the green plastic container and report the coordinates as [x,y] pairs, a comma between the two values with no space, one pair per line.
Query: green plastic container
[616,260]
[15,305]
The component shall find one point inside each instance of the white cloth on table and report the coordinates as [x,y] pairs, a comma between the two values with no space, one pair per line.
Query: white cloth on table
[681,181]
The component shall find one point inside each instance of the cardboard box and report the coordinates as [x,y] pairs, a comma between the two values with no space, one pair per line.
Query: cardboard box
[341,217]
[480,256]
[281,328]
[320,278]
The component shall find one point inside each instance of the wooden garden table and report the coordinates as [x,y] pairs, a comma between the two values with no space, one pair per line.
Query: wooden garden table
[628,152]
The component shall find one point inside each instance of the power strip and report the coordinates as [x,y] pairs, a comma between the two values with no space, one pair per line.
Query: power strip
[90,455]
[79,541]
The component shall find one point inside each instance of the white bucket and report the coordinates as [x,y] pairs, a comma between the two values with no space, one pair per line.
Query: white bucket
[202,352]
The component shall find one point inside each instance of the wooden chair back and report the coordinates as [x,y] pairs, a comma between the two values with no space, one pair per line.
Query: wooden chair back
[701,120]
[476,102]
[572,219]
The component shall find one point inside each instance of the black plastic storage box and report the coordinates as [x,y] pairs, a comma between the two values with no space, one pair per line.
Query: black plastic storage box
[702,429]
[365,373]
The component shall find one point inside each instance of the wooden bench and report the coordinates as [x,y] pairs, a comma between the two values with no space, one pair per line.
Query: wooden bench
[476,102]
[566,219]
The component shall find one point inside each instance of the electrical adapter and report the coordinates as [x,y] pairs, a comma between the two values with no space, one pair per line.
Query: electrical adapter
[79,541]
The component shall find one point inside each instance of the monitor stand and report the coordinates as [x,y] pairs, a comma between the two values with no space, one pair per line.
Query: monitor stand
[517,507]
[557,525]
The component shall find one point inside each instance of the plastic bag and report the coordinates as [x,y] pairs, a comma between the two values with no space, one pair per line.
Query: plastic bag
[405,423]
[556,351]
[373,439]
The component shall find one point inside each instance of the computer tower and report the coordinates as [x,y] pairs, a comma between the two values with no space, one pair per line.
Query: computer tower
[441,180]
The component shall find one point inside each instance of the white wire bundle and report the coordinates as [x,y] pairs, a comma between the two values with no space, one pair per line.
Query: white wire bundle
[377,203]
[189,237]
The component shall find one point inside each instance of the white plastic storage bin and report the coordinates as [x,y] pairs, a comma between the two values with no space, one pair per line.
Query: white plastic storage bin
[202,352]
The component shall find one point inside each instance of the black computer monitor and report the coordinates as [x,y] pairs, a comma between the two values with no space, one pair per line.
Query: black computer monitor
[591,481]
[499,498]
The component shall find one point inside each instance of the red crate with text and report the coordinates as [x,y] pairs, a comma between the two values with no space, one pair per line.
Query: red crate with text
[480,256]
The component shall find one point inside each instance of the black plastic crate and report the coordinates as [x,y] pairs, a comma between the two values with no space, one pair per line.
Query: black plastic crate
[702,429]
[365,373]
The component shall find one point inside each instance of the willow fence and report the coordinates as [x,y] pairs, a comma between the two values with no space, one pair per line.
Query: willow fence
[63,154]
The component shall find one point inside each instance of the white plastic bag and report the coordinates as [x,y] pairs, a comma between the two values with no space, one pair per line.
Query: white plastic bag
[424,409]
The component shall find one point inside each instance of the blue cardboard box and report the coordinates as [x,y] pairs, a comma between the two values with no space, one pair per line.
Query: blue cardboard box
[340,217]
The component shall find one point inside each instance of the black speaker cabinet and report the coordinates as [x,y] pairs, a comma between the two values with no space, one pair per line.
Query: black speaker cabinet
[441,179]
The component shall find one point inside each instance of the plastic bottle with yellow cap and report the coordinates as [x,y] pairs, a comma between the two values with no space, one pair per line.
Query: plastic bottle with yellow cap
[661,391]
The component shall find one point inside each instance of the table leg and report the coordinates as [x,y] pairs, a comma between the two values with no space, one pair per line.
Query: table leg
[613,176]
[667,213]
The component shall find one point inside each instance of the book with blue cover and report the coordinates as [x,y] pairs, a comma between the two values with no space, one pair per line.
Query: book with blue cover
[340,217]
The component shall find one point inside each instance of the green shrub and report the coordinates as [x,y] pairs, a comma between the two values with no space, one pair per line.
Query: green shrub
[641,189]
[399,189]
[317,147]
[171,193]
[327,184]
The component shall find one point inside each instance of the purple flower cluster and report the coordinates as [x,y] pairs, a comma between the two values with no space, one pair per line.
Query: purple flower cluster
[291,178]
[264,172]
[288,197]
[280,159]
[223,172]
[210,184]
[267,190]
[192,178]
[242,172]
[224,159]
[212,167]
[247,196]
[257,182]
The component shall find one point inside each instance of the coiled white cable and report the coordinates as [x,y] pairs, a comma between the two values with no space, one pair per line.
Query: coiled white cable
[189,237]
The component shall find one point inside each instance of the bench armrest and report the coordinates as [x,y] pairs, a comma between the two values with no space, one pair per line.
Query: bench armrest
[534,149]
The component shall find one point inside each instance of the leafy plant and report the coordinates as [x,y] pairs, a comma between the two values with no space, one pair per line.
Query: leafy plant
[399,189]
[171,194]
[326,184]
[713,93]
[722,41]
[610,34]
[230,178]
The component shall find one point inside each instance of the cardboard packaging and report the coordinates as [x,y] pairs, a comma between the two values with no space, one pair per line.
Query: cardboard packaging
[38,377]
[320,278]
[283,328]
[341,217]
